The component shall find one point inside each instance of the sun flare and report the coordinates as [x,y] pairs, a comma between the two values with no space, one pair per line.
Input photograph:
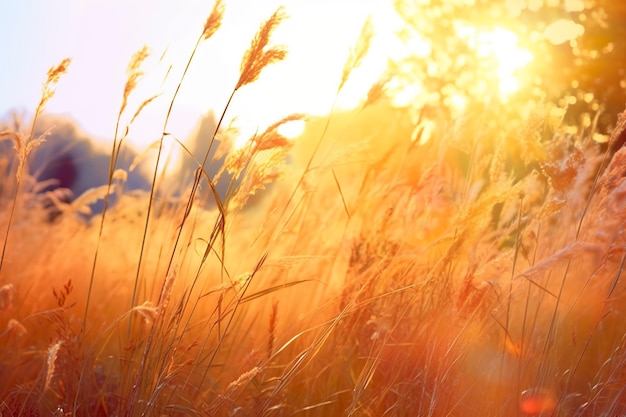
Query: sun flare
[305,81]
[317,35]
[501,47]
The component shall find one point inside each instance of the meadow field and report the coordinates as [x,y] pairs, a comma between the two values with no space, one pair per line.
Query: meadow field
[371,267]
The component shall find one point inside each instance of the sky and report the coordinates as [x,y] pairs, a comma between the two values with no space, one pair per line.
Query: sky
[101,35]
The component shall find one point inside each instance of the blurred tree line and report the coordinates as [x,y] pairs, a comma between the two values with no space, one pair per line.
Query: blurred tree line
[584,72]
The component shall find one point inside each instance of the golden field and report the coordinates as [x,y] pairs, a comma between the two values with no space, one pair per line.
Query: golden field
[360,270]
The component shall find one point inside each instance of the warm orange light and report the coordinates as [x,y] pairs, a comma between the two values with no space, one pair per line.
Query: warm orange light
[307,80]
[292,129]
[499,45]
[536,401]
[563,31]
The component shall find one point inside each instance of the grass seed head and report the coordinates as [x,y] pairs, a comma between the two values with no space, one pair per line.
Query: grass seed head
[15,326]
[134,74]
[258,56]
[147,311]
[358,52]
[48,90]
[53,352]
[6,296]
[214,21]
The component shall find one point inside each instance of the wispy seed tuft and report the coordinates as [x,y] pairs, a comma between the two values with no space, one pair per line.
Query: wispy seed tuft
[48,89]
[358,52]
[53,352]
[214,21]
[134,73]
[257,56]
[376,92]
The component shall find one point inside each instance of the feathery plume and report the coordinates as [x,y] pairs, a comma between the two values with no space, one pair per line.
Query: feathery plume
[214,21]
[358,53]
[134,74]
[270,138]
[243,378]
[257,56]
[24,151]
[147,311]
[258,174]
[376,92]
[48,89]
[166,291]
[53,352]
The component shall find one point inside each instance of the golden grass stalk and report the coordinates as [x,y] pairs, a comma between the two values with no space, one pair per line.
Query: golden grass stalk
[211,25]
[166,292]
[358,53]
[25,145]
[258,174]
[24,151]
[214,21]
[49,86]
[90,196]
[141,107]
[272,329]
[270,139]
[53,351]
[258,55]
[134,74]
[243,378]
[376,92]
[147,311]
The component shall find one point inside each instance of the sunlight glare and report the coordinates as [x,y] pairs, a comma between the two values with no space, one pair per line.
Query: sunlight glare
[500,45]
[563,31]
[306,82]
[293,129]
[574,5]
[458,102]
[317,35]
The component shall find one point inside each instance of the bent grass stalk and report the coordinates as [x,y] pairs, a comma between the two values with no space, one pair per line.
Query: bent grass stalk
[255,59]
[212,24]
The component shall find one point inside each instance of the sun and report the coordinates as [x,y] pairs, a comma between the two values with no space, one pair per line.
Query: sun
[306,82]
[482,61]
[498,46]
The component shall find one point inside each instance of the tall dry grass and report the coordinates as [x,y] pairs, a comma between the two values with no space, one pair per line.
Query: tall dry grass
[476,273]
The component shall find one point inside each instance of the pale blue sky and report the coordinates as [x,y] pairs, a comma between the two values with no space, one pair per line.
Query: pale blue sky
[101,36]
